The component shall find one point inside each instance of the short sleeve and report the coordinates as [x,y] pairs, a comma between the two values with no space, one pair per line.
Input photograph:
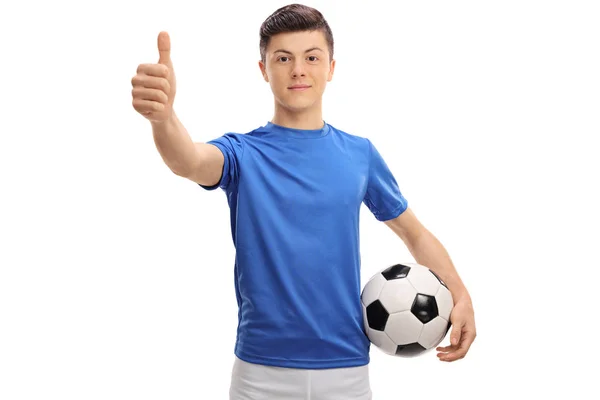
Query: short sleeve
[231,145]
[383,196]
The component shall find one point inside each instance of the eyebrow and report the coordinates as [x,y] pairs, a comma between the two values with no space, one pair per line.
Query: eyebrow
[289,52]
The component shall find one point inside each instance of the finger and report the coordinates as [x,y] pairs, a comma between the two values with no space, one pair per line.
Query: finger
[147,106]
[142,93]
[442,351]
[158,70]
[151,82]
[164,49]
[456,333]
[461,351]
[451,346]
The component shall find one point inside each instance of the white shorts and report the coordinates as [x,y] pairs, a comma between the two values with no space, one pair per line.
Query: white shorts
[261,382]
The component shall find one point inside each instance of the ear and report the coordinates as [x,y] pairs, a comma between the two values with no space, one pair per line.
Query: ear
[331,69]
[263,70]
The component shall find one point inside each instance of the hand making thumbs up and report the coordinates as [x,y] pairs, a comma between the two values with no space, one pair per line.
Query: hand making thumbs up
[154,84]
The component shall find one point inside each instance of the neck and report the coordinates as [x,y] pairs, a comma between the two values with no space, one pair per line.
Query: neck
[311,118]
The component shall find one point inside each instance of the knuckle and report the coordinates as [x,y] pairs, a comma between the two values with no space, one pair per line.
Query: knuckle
[165,86]
[164,97]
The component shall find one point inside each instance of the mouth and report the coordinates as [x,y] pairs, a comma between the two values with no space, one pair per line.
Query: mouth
[299,87]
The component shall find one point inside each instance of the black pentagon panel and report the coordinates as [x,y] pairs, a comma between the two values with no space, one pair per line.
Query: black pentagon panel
[410,350]
[397,271]
[424,308]
[448,327]
[377,316]
[439,279]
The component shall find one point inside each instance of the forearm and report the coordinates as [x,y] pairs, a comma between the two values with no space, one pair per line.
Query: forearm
[175,145]
[428,251]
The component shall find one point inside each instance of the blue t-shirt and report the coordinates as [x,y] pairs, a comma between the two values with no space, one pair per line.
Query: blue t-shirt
[294,197]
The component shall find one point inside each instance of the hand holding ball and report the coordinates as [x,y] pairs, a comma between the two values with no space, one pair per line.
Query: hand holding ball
[406,309]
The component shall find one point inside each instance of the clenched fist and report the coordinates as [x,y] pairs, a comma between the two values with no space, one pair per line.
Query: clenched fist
[154,84]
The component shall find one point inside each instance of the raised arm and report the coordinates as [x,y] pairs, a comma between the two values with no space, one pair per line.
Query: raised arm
[153,94]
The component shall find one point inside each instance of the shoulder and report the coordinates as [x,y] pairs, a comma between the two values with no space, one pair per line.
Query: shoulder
[350,136]
[237,137]
[354,142]
[236,142]
[247,135]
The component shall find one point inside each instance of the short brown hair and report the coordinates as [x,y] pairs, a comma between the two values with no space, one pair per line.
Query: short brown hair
[294,18]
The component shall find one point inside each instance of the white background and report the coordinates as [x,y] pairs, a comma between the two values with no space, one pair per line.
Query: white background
[116,277]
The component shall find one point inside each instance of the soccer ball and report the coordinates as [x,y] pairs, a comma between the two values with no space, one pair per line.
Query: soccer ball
[406,309]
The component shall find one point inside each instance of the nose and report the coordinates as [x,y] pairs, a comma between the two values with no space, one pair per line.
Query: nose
[298,70]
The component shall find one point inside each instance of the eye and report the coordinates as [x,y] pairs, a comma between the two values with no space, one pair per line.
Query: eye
[313,58]
[282,58]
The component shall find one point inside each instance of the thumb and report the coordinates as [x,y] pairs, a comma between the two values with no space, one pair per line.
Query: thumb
[164,49]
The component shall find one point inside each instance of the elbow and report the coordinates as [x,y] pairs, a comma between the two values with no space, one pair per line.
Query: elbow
[183,169]
[178,172]
[178,169]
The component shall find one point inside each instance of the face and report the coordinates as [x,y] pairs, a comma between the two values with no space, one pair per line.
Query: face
[297,67]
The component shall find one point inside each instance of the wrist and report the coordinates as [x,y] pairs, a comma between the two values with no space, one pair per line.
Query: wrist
[168,121]
[163,123]
[460,296]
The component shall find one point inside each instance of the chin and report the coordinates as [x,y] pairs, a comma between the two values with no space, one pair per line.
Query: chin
[297,105]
